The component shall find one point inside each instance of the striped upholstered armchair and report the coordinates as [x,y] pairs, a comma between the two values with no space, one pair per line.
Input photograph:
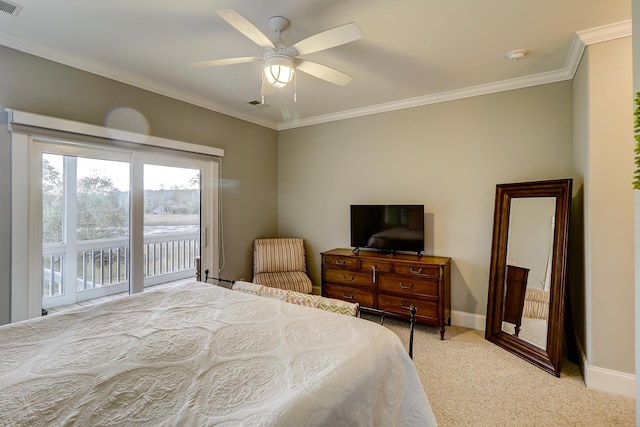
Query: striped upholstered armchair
[281,263]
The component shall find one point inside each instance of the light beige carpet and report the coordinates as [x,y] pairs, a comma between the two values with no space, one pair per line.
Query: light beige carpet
[472,382]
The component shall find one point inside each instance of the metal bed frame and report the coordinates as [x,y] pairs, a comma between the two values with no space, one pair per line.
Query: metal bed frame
[361,309]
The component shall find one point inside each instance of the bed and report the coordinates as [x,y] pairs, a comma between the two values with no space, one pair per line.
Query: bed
[199,354]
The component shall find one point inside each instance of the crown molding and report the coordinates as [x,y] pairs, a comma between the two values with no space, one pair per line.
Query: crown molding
[605,33]
[138,81]
[580,40]
[501,86]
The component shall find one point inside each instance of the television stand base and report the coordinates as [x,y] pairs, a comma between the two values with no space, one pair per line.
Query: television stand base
[386,252]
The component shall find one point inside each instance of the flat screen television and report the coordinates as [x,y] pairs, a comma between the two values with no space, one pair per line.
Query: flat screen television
[388,228]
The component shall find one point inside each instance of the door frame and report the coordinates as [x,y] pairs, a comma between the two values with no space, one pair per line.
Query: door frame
[40,147]
[25,128]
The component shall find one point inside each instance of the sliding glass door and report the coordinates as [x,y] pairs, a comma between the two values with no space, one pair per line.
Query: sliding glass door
[88,204]
[91,246]
[171,221]
[85,227]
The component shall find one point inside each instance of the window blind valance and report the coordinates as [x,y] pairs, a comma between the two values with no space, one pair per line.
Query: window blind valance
[31,123]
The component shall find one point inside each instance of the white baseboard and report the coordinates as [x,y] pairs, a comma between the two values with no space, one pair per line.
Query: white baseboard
[610,381]
[603,379]
[468,320]
[595,378]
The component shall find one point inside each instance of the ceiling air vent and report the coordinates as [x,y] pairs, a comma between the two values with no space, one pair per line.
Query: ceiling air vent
[255,103]
[10,8]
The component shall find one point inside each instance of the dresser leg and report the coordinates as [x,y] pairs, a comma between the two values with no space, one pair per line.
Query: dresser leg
[442,333]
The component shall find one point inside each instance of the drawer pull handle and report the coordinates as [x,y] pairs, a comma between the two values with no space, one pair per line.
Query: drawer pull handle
[403,286]
[418,271]
[348,278]
[408,307]
[345,296]
[340,262]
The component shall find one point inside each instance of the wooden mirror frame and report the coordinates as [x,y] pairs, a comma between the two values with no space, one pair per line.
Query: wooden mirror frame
[549,359]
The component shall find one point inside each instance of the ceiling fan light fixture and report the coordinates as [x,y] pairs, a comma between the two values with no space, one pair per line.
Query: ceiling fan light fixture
[279,70]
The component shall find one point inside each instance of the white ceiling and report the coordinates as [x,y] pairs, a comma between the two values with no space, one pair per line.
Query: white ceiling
[413,52]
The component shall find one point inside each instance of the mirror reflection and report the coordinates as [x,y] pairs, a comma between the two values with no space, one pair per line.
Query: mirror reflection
[526,301]
[528,270]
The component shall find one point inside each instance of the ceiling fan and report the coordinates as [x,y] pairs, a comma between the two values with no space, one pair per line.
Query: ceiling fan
[280,61]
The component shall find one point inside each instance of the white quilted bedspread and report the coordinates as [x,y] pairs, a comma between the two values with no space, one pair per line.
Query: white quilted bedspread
[198,355]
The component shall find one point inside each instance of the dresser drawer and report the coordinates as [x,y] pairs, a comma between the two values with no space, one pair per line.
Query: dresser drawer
[408,285]
[342,262]
[426,310]
[432,271]
[391,283]
[349,278]
[379,266]
[348,294]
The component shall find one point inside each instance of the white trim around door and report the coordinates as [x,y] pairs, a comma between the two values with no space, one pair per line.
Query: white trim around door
[26,203]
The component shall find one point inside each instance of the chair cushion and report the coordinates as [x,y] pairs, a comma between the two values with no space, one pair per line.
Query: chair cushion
[278,255]
[293,280]
[538,295]
[536,304]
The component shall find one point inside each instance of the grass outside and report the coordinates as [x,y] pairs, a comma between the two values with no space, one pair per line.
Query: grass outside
[167,219]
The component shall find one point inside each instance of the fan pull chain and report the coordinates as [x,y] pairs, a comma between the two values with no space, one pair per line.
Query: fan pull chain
[295,87]
[262,87]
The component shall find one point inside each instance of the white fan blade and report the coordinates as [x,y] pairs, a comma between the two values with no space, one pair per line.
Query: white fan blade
[243,25]
[323,72]
[337,36]
[226,61]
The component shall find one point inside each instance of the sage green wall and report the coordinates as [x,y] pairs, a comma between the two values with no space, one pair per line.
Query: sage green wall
[249,167]
[604,160]
[447,156]
[576,280]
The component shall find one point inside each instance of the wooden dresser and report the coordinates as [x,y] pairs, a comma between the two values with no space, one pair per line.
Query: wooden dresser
[391,283]
[515,294]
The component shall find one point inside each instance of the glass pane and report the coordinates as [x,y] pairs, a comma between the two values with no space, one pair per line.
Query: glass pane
[52,279]
[52,225]
[52,198]
[103,199]
[102,222]
[85,244]
[171,219]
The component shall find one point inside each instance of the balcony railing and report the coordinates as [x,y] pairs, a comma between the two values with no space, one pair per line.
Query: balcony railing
[170,253]
[103,263]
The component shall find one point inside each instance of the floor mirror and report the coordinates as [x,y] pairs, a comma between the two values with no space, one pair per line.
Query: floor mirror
[526,303]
